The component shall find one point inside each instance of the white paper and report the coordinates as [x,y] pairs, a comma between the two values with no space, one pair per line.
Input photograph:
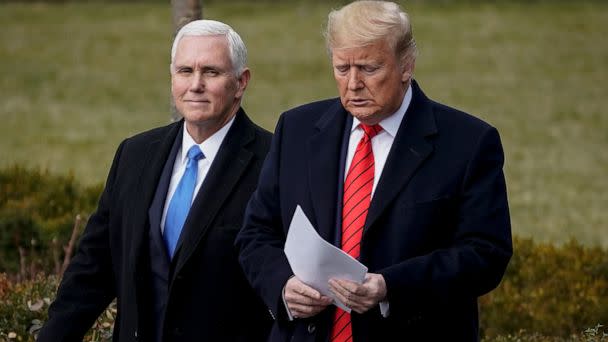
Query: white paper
[314,261]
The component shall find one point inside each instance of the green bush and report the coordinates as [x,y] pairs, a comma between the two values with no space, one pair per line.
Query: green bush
[547,289]
[549,293]
[38,210]
[593,334]
[24,306]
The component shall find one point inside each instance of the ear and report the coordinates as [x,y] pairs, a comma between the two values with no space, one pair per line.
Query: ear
[242,82]
[408,69]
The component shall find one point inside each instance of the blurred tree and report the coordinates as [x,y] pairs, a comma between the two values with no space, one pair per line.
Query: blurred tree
[185,11]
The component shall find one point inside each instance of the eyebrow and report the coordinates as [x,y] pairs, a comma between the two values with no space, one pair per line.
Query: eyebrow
[359,65]
[205,67]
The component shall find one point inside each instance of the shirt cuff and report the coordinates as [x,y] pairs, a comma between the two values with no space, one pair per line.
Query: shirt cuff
[385,309]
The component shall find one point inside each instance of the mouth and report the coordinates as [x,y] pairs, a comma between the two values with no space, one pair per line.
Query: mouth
[358,102]
[196,102]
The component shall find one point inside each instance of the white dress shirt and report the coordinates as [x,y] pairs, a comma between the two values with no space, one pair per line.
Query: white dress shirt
[381,146]
[382,142]
[209,147]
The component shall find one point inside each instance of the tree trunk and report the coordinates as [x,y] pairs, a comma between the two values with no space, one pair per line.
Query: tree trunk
[185,11]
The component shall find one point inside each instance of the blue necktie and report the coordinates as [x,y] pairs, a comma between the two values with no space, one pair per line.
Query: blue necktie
[181,201]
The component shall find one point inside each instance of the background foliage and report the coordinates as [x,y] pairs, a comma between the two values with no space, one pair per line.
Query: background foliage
[37,212]
[547,290]
[80,76]
[77,78]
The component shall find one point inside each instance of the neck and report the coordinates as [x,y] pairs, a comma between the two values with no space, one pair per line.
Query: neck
[201,131]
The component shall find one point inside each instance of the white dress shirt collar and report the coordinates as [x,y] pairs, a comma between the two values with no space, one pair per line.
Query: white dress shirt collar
[210,146]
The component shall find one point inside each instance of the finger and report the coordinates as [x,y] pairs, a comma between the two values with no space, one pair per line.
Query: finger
[351,287]
[347,293]
[337,288]
[341,296]
[302,311]
[307,291]
[361,304]
[295,287]
[358,303]
[306,309]
[303,300]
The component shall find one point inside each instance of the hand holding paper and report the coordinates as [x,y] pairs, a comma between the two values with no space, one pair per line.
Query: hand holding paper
[315,261]
[302,300]
[360,297]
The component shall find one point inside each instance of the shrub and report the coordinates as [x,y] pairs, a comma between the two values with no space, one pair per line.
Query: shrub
[547,289]
[24,306]
[37,210]
[549,293]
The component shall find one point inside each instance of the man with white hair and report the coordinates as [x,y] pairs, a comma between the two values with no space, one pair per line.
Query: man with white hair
[411,188]
[161,240]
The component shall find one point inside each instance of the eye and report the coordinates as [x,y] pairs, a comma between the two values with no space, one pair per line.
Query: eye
[370,68]
[211,73]
[341,69]
[184,70]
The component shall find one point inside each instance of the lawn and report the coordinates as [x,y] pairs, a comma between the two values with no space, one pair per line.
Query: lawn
[79,78]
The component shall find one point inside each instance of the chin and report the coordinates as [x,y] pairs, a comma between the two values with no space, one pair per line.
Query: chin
[362,116]
[198,117]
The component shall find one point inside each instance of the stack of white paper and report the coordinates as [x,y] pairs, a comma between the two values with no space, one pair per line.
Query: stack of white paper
[314,261]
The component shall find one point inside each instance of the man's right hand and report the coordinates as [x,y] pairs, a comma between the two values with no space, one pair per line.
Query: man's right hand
[302,300]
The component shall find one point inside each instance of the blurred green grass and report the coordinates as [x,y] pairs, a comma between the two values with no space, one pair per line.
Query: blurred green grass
[79,78]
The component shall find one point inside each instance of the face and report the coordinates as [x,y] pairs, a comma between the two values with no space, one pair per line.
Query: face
[205,89]
[371,80]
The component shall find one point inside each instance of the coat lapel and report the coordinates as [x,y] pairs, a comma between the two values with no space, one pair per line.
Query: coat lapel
[323,155]
[156,157]
[158,201]
[157,153]
[230,163]
[410,148]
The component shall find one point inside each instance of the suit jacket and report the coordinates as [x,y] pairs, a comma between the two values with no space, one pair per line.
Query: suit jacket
[437,229]
[208,295]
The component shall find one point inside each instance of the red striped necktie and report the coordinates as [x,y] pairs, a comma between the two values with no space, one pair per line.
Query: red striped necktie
[357,196]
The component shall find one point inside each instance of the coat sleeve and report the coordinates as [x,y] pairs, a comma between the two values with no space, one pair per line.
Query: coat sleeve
[475,261]
[87,286]
[262,238]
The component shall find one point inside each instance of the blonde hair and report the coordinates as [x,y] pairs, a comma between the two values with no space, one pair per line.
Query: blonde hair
[363,23]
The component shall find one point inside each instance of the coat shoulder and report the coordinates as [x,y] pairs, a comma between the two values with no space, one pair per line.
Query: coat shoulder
[451,117]
[310,114]
[153,134]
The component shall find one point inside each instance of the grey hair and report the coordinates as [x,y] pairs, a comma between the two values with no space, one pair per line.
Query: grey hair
[362,23]
[236,46]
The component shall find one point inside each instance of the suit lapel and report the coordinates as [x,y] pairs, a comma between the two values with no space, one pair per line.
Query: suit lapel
[410,148]
[156,157]
[323,154]
[158,202]
[229,164]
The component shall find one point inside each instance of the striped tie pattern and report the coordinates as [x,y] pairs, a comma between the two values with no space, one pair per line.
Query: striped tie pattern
[357,196]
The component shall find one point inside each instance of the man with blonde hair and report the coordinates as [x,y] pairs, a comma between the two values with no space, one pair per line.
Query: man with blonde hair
[162,239]
[411,188]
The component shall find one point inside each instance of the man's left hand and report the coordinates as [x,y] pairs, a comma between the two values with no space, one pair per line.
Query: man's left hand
[360,297]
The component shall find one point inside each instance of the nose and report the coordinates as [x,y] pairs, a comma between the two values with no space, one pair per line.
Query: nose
[354,79]
[197,82]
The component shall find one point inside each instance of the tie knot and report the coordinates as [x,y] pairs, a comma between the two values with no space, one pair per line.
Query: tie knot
[195,153]
[371,131]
